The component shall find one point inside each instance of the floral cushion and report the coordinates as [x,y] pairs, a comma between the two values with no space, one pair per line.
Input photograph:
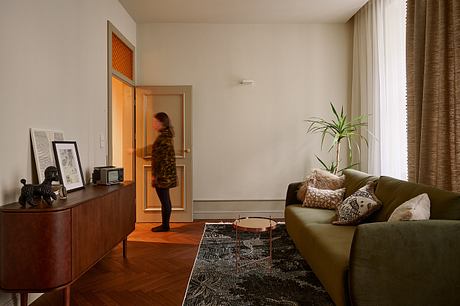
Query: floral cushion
[323,198]
[358,206]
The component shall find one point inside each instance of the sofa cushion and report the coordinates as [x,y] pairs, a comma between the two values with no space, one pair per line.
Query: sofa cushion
[297,215]
[327,250]
[358,206]
[417,208]
[323,179]
[445,205]
[355,179]
[320,179]
[323,198]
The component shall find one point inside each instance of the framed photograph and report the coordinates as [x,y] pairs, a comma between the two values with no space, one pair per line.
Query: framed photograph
[43,149]
[68,164]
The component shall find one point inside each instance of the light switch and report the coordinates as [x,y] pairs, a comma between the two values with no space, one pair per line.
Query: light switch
[102,141]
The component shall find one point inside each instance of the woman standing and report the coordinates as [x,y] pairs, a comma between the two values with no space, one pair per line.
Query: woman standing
[164,174]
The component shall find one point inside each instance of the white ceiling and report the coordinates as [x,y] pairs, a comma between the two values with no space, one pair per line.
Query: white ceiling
[242,11]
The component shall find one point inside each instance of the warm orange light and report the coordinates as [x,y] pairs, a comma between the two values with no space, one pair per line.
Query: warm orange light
[122,57]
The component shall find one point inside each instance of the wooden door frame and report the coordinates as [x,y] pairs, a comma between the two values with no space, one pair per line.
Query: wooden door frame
[111,29]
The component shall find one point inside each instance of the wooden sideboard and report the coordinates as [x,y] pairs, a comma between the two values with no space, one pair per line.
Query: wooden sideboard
[46,248]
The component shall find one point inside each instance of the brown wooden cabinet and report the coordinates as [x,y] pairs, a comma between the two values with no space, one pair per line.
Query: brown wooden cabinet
[48,247]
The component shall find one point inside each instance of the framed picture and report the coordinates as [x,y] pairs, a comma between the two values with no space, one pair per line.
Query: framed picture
[43,149]
[68,164]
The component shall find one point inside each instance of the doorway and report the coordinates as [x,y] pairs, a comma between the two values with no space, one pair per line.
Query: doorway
[121,116]
[176,102]
[131,135]
[122,127]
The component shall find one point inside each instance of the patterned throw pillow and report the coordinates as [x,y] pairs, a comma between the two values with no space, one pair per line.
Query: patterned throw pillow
[358,206]
[323,198]
[320,179]
[323,179]
[417,208]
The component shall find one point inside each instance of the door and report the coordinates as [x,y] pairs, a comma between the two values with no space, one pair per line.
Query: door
[176,102]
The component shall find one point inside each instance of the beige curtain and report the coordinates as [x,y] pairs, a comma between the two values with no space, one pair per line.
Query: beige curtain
[433,92]
[378,85]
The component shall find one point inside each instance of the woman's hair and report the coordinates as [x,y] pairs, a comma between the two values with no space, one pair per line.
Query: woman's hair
[165,121]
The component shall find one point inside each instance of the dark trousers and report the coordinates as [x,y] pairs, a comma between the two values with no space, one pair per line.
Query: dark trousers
[163,194]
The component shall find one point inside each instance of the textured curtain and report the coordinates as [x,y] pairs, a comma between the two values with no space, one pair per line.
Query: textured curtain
[433,92]
[378,85]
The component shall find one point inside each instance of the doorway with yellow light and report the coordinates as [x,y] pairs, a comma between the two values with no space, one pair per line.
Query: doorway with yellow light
[131,135]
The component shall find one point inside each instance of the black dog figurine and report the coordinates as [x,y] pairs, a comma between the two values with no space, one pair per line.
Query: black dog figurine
[43,190]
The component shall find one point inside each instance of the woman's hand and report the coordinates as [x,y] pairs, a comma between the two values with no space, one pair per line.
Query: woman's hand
[153,181]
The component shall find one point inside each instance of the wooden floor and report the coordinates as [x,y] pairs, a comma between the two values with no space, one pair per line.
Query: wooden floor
[155,273]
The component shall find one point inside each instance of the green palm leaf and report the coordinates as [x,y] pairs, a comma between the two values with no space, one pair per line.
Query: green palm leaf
[340,128]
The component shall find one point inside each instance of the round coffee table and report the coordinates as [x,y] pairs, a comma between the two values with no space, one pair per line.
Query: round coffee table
[253,225]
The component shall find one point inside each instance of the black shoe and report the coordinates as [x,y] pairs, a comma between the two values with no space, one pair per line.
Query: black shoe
[160,228]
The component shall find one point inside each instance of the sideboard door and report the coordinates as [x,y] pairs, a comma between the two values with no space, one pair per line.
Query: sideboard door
[36,250]
[99,225]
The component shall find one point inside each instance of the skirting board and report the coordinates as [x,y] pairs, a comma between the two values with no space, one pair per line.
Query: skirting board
[231,209]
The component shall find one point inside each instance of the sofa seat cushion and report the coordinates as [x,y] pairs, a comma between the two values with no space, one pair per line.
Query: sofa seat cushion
[327,250]
[298,215]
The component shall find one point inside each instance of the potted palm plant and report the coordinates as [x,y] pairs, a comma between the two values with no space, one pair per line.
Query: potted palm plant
[341,129]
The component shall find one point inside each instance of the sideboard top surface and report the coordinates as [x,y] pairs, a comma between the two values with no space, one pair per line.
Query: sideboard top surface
[90,192]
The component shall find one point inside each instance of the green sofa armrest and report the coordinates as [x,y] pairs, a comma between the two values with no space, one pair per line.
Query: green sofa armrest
[291,195]
[405,263]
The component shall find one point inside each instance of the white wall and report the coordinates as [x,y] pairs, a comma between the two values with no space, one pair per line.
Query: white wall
[54,76]
[53,60]
[249,142]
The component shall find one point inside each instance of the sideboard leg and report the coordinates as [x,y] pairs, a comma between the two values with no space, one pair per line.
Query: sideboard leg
[24,298]
[67,296]
[125,247]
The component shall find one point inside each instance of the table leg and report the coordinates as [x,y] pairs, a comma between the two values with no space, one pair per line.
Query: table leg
[24,298]
[237,247]
[125,247]
[271,245]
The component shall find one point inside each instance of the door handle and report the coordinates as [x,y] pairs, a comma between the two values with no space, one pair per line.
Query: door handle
[187,150]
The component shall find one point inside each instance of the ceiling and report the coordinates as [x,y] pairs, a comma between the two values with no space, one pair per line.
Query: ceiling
[242,11]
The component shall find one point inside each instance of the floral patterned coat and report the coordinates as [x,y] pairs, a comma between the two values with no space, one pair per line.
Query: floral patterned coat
[164,161]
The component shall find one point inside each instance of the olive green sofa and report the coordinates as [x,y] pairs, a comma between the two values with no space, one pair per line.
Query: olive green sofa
[381,263]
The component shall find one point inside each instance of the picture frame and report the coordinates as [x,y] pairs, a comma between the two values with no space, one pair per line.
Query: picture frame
[43,149]
[68,164]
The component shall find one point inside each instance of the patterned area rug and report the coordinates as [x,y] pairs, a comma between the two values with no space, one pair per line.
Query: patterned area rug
[214,280]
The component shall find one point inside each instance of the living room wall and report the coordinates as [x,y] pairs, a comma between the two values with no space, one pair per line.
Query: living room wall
[249,142]
[54,76]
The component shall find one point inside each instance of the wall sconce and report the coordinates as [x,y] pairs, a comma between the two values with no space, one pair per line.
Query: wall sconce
[247,82]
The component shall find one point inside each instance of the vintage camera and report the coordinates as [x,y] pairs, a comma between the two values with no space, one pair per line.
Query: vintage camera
[107,175]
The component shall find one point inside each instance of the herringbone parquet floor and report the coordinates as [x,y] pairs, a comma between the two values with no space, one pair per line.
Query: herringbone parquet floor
[155,273]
